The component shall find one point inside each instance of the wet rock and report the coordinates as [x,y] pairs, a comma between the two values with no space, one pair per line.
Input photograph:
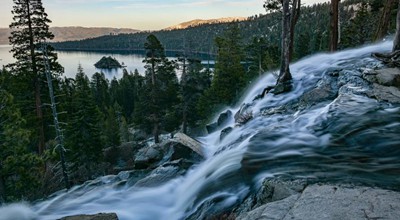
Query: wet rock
[388,77]
[137,134]
[160,176]
[385,93]
[147,156]
[273,211]
[370,75]
[225,132]
[244,109]
[282,87]
[122,157]
[326,89]
[211,127]
[222,120]
[100,216]
[271,190]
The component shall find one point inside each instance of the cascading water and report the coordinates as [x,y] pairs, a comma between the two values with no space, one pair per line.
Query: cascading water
[346,138]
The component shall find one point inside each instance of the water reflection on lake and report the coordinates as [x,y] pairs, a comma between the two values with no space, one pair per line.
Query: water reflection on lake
[71,59]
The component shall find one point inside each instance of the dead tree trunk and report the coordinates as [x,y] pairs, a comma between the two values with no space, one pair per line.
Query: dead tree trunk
[396,42]
[284,74]
[384,21]
[334,25]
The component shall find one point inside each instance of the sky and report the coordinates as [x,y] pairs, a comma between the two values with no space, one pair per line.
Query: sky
[139,14]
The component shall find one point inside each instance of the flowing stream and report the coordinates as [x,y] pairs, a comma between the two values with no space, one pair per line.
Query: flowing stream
[349,138]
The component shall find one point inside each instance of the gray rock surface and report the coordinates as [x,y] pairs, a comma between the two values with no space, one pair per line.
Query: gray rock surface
[160,176]
[385,93]
[147,156]
[100,216]
[189,142]
[274,210]
[332,202]
[388,77]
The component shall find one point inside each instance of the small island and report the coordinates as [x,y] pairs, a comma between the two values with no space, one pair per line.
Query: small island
[108,63]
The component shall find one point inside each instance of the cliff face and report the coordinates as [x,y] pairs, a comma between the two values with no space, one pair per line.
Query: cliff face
[73,33]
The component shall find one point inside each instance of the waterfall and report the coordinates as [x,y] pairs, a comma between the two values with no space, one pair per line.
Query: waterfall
[349,138]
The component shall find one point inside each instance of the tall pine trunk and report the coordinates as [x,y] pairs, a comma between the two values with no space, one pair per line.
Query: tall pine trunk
[293,21]
[396,42]
[156,132]
[184,120]
[284,74]
[384,21]
[2,190]
[334,25]
[36,84]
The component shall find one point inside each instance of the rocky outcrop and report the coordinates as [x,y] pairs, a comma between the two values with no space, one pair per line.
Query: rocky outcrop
[385,84]
[222,120]
[100,216]
[331,202]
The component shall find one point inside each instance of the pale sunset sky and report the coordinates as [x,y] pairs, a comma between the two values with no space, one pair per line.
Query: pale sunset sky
[139,14]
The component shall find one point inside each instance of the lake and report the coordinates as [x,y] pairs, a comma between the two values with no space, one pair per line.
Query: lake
[71,59]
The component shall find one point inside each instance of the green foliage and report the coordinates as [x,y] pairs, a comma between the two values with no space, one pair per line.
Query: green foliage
[260,57]
[84,135]
[29,30]
[100,92]
[20,170]
[229,77]
[359,30]
[159,96]
[193,84]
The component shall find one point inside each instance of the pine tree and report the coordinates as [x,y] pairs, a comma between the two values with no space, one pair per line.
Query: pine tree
[84,136]
[100,91]
[229,76]
[359,30]
[159,96]
[20,170]
[193,85]
[261,57]
[29,29]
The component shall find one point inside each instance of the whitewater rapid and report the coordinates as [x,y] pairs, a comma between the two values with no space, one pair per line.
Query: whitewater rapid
[291,145]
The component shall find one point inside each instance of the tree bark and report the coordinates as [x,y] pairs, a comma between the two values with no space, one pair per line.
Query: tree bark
[396,42]
[293,21]
[334,25]
[284,74]
[156,133]
[2,190]
[36,83]
[384,21]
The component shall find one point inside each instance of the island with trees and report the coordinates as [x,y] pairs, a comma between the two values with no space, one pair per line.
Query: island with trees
[108,63]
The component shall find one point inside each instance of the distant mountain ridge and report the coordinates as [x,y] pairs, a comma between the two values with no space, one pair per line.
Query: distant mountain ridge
[74,33]
[198,22]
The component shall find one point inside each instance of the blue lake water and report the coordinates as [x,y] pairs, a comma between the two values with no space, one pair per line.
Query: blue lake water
[71,59]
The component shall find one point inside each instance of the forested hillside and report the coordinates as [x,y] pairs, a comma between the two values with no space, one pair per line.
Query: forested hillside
[73,33]
[358,25]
